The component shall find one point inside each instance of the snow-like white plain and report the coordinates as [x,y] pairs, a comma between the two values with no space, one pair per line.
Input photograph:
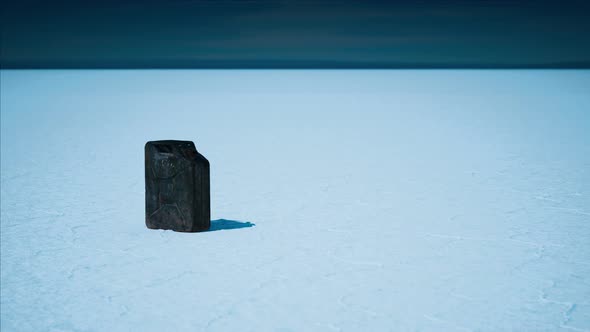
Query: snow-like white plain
[381,201]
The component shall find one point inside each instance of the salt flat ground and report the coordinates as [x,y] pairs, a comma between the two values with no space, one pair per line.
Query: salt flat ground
[381,200]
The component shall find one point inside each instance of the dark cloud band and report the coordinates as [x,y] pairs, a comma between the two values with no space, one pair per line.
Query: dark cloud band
[295,34]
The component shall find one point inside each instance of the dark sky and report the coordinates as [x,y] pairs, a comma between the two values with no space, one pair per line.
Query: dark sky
[294,34]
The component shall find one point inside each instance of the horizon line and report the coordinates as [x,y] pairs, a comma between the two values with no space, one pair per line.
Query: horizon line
[280,64]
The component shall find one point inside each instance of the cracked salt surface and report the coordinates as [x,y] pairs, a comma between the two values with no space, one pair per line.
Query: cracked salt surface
[379,200]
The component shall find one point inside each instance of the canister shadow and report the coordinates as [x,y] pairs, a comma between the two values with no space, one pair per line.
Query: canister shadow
[223,224]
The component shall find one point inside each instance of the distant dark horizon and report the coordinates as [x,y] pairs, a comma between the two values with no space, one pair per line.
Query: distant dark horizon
[265,34]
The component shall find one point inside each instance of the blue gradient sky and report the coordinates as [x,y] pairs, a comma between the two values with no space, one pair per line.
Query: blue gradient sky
[294,34]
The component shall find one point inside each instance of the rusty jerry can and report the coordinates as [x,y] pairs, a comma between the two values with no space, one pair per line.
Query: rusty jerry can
[177,188]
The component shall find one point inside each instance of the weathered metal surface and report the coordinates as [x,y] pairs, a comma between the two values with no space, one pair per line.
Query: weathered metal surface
[177,187]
